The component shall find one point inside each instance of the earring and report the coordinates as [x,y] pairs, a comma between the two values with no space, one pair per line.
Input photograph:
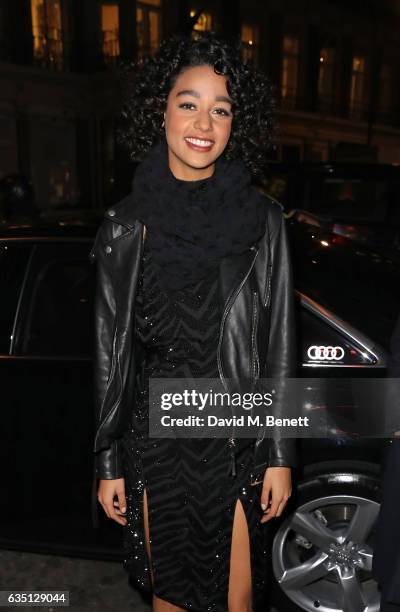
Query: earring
[163,124]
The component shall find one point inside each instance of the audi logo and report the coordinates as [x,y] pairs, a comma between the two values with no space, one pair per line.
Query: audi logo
[325,353]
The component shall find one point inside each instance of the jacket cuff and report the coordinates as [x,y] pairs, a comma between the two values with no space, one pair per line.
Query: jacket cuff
[108,462]
[282,453]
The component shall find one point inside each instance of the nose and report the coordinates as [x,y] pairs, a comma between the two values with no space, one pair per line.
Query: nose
[203,121]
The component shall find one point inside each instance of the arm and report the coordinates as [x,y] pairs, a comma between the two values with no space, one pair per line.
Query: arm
[281,364]
[107,460]
[281,355]
[276,455]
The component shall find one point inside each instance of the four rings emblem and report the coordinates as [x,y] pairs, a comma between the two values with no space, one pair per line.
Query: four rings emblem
[325,353]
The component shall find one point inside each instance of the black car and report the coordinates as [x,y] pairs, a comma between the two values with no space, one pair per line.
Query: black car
[322,548]
[356,200]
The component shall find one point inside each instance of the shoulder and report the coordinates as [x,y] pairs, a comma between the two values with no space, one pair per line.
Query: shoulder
[274,214]
[117,220]
[274,207]
[123,211]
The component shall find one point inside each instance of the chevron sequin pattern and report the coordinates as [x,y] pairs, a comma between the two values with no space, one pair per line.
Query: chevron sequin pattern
[191,496]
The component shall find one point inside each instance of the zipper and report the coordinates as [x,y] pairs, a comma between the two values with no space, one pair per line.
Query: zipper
[267,294]
[228,304]
[256,362]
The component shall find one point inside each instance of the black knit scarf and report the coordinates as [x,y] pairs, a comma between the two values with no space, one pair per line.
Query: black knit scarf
[191,225]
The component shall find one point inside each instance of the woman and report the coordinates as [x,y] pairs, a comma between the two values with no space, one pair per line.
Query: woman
[193,281]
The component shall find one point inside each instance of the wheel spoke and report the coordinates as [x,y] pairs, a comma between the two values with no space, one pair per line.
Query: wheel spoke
[374,602]
[366,554]
[362,522]
[307,572]
[307,525]
[353,600]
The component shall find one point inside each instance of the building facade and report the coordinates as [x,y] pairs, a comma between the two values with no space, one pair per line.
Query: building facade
[333,66]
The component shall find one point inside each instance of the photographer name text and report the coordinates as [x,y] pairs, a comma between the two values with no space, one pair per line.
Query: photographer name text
[241,421]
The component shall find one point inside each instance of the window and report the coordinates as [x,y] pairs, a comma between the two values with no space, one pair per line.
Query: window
[290,67]
[357,85]
[110,31]
[203,23]
[250,42]
[59,319]
[325,77]
[352,199]
[13,262]
[386,90]
[53,149]
[48,43]
[148,25]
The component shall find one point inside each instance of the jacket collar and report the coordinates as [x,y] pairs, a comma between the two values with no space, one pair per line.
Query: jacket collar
[124,212]
[233,268]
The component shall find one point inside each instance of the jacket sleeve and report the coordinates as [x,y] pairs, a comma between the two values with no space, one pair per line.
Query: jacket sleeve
[281,353]
[108,464]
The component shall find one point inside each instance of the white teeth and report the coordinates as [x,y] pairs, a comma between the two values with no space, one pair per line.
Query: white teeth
[199,143]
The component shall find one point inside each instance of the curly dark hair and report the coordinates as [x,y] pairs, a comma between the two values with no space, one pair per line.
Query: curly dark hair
[149,82]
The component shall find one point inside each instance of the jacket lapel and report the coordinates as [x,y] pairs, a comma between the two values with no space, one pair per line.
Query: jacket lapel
[232,268]
[232,271]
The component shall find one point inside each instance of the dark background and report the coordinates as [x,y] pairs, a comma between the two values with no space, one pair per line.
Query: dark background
[334,65]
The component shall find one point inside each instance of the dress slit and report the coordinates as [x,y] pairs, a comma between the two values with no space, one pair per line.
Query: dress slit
[147,536]
[238,504]
[191,495]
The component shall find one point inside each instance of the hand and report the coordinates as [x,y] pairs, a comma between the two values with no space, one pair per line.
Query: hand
[277,488]
[108,489]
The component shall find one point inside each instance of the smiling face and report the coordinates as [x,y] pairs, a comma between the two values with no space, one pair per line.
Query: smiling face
[198,121]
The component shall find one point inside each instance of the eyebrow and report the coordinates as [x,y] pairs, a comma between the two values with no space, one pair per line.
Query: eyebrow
[195,94]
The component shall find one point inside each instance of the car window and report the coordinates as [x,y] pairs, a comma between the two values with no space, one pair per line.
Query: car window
[59,315]
[354,199]
[13,261]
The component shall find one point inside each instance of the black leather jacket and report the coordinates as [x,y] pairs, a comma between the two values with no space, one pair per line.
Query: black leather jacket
[256,334]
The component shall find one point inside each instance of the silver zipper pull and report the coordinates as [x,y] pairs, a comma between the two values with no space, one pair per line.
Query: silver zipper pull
[233,464]
[232,443]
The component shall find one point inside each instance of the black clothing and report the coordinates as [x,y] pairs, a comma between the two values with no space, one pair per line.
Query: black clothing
[193,224]
[256,337]
[191,497]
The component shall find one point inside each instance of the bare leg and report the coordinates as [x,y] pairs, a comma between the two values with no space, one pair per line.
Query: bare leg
[240,585]
[159,605]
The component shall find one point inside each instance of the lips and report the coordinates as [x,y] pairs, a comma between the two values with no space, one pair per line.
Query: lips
[199,144]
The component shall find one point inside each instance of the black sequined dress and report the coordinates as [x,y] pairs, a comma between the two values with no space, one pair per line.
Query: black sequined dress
[191,494]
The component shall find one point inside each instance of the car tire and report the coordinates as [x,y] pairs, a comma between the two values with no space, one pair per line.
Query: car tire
[322,550]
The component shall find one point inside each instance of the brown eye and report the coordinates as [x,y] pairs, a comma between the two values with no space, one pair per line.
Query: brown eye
[187,105]
[223,112]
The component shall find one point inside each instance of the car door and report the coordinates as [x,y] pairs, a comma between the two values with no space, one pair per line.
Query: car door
[47,378]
